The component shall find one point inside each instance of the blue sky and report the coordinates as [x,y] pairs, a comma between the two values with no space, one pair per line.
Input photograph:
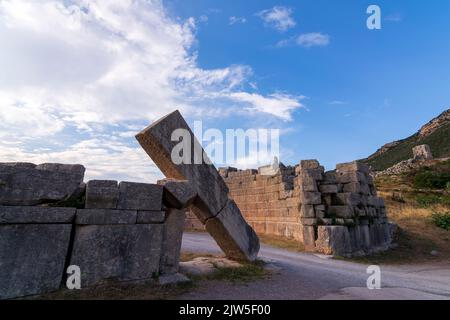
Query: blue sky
[81,77]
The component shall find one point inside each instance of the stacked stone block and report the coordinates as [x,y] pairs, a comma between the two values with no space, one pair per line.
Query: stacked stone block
[120,231]
[335,212]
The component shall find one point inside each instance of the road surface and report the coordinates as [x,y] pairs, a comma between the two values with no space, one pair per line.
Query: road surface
[309,276]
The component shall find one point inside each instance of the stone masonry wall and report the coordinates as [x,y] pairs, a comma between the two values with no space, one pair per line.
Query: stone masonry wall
[336,212]
[50,219]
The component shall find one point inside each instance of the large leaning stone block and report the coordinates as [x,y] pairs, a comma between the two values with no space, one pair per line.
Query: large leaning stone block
[232,233]
[140,196]
[120,252]
[105,216]
[102,194]
[36,215]
[25,184]
[32,258]
[156,140]
[177,194]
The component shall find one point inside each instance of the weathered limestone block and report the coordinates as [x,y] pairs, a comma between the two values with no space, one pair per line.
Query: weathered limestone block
[348,177]
[102,194]
[177,194]
[328,188]
[422,152]
[352,166]
[357,187]
[27,184]
[307,211]
[309,221]
[309,238]
[329,177]
[232,233]
[171,245]
[347,198]
[140,196]
[334,240]
[344,212]
[145,217]
[105,216]
[121,252]
[32,258]
[309,164]
[311,198]
[205,179]
[21,215]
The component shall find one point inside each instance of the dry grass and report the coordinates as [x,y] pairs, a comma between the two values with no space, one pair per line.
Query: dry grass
[283,243]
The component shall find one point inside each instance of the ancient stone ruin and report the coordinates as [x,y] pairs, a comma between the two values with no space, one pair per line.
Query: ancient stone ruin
[212,206]
[336,212]
[50,220]
[422,152]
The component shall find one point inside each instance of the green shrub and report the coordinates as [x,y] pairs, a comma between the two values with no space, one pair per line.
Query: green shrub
[431,180]
[426,200]
[442,220]
[448,185]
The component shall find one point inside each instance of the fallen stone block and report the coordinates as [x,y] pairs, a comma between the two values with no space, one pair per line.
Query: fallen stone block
[102,194]
[205,179]
[149,217]
[32,258]
[232,233]
[36,215]
[177,194]
[105,216]
[140,196]
[120,252]
[171,244]
[25,184]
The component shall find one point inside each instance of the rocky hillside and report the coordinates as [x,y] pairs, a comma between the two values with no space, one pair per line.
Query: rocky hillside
[435,133]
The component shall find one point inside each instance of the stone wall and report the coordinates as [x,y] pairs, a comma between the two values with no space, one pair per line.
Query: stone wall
[336,212]
[113,231]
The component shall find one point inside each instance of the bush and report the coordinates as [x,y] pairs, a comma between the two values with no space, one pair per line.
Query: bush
[426,200]
[431,180]
[442,220]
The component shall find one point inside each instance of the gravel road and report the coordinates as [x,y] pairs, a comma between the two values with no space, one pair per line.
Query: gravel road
[310,276]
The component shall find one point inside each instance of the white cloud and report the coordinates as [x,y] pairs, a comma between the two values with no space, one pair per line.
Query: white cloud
[233,20]
[278,17]
[79,71]
[278,104]
[338,102]
[314,39]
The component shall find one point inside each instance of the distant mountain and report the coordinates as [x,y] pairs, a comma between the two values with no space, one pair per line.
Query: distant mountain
[435,133]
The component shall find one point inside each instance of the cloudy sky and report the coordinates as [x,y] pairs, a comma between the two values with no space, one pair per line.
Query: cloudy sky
[79,78]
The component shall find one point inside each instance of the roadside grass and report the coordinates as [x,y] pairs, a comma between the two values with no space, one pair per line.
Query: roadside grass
[283,243]
[150,290]
[248,272]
